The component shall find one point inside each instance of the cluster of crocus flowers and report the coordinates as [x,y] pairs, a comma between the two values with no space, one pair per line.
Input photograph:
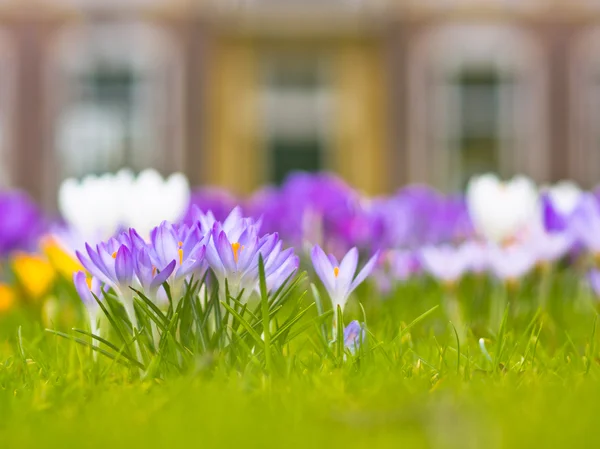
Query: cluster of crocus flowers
[505,228]
[516,227]
[175,254]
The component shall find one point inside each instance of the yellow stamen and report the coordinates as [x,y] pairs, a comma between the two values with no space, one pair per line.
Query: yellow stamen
[114,255]
[336,271]
[180,251]
[236,247]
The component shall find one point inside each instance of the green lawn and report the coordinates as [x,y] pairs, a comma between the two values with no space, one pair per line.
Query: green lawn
[532,382]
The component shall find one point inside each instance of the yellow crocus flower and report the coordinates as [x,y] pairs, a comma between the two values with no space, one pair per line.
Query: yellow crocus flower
[62,261]
[34,273]
[7,298]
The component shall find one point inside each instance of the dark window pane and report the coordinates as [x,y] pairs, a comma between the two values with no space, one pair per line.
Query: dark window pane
[292,156]
[479,136]
[296,95]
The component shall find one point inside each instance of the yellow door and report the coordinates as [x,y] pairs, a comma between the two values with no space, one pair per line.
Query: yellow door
[360,146]
[237,141]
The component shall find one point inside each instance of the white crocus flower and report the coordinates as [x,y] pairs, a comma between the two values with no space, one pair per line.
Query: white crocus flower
[503,211]
[153,200]
[96,207]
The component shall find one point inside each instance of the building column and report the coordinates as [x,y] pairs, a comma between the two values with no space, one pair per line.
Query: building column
[396,41]
[557,38]
[30,100]
[197,62]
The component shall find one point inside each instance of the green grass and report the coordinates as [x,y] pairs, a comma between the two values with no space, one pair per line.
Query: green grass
[533,383]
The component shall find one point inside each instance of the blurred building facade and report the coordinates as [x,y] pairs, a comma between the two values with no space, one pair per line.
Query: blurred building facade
[239,92]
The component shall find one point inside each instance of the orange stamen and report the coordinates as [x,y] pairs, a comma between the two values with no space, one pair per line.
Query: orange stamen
[114,255]
[236,247]
[153,271]
[336,271]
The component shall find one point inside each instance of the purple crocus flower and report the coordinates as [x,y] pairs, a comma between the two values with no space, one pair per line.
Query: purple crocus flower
[445,262]
[396,266]
[550,247]
[280,265]
[338,277]
[87,289]
[558,204]
[234,256]
[233,226]
[554,221]
[149,277]
[585,223]
[476,254]
[314,208]
[354,335]
[184,245]
[112,263]
[22,223]
[511,263]
[217,201]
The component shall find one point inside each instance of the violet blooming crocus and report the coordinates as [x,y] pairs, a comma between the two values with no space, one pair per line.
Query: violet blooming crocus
[511,263]
[550,247]
[585,223]
[234,256]
[113,264]
[396,266]
[446,263]
[87,288]
[22,223]
[354,336]
[339,277]
[149,277]
[179,249]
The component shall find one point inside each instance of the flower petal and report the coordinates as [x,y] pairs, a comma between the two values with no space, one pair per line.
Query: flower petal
[161,277]
[81,285]
[323,268]
[366,271]
[347,269]
[225,252]
[124,266]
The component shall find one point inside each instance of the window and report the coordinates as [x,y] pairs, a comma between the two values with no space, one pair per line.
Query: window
[478,102]
[481,99]
[97,132]
[118,102]
[296,99]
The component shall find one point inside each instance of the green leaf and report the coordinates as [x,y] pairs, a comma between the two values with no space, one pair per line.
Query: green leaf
[115,357]
[255,336]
